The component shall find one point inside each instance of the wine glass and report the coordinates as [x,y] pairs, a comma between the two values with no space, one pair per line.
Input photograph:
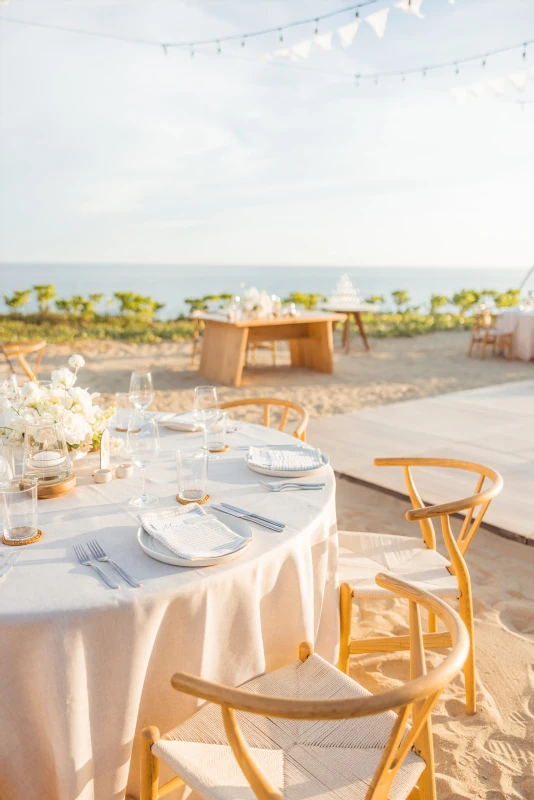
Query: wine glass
[206,409]
[141,390]
[142,445]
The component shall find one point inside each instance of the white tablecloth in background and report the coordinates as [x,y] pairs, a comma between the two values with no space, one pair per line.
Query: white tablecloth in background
[84,668]
[521,325]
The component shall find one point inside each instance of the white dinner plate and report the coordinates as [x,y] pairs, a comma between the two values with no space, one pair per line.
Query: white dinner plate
[158,551]
[287,473]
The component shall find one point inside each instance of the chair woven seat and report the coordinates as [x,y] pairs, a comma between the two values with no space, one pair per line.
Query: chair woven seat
[302,759]
[363,555]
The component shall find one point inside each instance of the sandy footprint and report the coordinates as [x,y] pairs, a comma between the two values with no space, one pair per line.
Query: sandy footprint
[518,618]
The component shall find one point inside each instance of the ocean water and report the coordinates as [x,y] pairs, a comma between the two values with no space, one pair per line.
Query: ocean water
[173,284]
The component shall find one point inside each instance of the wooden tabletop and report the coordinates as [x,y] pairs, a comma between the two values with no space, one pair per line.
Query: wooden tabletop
[254,322]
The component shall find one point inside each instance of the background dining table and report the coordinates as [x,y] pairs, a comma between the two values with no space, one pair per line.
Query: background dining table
[521,325]
[84,667]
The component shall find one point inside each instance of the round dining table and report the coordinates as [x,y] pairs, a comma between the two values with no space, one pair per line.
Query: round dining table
[84,667]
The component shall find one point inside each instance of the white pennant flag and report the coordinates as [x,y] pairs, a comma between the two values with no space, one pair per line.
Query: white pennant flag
[302,49]
[347,33]
[497,85]
[518,79]
[324,41]
[532,73]
[378,21]
[413,7]
[460,94]
[477,89]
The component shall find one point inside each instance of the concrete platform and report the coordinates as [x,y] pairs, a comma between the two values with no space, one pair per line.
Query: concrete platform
[493,425]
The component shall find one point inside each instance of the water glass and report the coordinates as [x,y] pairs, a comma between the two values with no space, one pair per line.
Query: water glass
[192,473]
[124,408]
[142,445]
[216,433]
[7,464]
[206,407]
[18,506]
[141,390]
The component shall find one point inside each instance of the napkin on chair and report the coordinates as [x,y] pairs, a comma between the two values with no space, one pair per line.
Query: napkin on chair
[279,459]
[191,533]
[180,422]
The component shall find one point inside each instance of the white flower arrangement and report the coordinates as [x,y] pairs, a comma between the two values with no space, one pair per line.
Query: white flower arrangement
[62,401]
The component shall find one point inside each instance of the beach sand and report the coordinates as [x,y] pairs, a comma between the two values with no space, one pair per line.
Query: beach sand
[489,755]
[393,370]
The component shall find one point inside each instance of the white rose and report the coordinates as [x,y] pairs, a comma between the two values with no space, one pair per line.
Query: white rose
[63,377]
[76,362]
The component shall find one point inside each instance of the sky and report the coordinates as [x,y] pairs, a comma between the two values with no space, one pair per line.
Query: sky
[113,152]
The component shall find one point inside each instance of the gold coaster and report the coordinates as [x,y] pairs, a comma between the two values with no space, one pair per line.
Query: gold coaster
[221,449]
[186,502]
[11,543]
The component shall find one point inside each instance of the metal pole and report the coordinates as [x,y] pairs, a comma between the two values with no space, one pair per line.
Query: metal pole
[529,273]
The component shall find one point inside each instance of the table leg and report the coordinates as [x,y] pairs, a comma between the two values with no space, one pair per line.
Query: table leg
[359,323]
[346,334]
[223,353]
[316,350]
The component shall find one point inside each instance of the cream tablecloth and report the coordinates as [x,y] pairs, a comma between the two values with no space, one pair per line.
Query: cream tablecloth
[521,325]
[84,668]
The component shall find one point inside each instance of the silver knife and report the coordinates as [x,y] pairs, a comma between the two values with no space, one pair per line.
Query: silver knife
[8,563]
[248,518]
[256,516]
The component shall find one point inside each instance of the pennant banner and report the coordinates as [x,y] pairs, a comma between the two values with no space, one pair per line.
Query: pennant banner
[496,86]
[302,49]
[324,41]
[378,21]
[412,7]
[347,33]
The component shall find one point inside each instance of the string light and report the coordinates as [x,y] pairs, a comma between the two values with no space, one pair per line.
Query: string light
[219,47]
[524,50]
[164,47]
[316,31]
[281,37]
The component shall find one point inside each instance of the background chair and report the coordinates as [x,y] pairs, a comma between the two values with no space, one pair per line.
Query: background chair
[285,405]
[363,555]
[19,350]
[485,333]
[296,731]
[262,346]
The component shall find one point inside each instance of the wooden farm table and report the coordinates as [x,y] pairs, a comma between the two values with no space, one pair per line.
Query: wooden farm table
[225,343]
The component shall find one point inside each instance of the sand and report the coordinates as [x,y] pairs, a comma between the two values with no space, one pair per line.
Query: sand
[393,370]
[489,755]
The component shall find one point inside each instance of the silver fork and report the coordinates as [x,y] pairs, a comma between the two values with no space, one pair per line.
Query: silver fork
[83,558]
[277,487]
[98,553]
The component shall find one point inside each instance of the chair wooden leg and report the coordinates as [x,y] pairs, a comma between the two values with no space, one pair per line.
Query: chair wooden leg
[482,350]
[466,613]
[149,765]
[431,622]
[345,621]
[471,345]
[274,354]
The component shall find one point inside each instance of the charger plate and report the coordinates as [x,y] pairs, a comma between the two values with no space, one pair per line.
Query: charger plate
[287,473]
[159,552]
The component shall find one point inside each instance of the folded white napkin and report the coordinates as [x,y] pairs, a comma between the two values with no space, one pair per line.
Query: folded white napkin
[191,533]
[180,422]
[290,459]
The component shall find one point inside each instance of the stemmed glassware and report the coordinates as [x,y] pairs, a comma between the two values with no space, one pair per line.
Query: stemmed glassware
[206,409]
[142,445]
[141,390]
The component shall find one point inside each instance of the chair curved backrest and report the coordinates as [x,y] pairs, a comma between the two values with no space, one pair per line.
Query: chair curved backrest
[19,350]
[415,698]
[267,402]
[424,514]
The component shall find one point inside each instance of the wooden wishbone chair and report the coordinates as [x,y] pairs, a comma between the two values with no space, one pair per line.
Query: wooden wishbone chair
[267,402]
[416,560]
[18,351]
[353,743]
